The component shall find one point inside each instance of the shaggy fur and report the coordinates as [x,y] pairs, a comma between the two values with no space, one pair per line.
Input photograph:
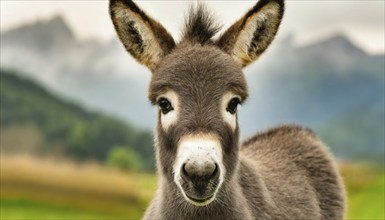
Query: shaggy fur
[200,26]
[283,173]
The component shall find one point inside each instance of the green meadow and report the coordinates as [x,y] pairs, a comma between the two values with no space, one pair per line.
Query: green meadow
[365,186]
[52,189]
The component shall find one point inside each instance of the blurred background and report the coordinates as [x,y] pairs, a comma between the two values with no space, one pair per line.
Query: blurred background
[76,126]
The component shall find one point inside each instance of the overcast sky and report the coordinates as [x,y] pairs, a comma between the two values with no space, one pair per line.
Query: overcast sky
[362,21]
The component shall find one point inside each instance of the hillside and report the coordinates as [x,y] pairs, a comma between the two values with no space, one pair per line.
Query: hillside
[35,121]
[357,134]
[100,75]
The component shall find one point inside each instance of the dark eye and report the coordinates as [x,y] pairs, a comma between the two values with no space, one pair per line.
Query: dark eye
[165,106]
[232,106]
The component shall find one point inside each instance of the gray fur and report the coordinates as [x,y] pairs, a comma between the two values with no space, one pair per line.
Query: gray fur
[283,173]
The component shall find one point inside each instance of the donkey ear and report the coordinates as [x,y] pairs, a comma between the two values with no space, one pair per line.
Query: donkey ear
[249,37]
[143,37]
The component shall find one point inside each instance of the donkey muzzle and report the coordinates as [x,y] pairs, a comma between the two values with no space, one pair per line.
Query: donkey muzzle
[199,169]
[199,180]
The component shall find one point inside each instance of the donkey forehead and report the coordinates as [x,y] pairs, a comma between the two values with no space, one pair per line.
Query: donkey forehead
[196,70]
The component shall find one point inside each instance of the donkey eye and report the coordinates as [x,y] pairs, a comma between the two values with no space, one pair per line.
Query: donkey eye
[165,105]
[232,106]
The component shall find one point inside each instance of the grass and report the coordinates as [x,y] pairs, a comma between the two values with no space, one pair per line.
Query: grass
[21,209]
[366,189]
[46,189]
[85,189]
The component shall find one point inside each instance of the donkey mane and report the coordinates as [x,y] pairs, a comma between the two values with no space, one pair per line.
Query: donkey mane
[200,25]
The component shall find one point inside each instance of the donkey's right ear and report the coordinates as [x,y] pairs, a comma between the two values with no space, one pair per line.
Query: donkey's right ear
[146,39]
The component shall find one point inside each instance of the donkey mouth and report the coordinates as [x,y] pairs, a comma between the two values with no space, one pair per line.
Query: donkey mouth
[201,201]
[199,195]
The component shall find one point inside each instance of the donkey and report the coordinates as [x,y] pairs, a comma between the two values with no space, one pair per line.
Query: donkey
[197,84]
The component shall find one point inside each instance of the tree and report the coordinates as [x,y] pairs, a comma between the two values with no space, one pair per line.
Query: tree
[124,159]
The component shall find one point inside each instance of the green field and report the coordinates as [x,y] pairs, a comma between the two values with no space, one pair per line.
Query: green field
[19,209]
[46,189]
[365,185]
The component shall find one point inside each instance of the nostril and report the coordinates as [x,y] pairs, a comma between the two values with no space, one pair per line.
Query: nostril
[216,169]
[190,171]
[184,173]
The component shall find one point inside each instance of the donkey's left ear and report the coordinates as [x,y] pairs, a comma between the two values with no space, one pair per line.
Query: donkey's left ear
[249,37]
[143,37]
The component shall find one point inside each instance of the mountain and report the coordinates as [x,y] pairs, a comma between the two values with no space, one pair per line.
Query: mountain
[48,37]
[312,85]
[331,86]
[358,133]
[98,74]
[35,121]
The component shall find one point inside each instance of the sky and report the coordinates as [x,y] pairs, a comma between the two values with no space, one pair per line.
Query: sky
[308,21]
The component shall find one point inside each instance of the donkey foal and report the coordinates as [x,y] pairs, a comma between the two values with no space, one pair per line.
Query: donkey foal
[197,84]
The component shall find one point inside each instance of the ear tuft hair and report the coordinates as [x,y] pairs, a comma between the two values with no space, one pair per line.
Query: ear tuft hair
[200,26]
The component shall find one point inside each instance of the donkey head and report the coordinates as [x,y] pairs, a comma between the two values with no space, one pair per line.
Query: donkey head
[197,85]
